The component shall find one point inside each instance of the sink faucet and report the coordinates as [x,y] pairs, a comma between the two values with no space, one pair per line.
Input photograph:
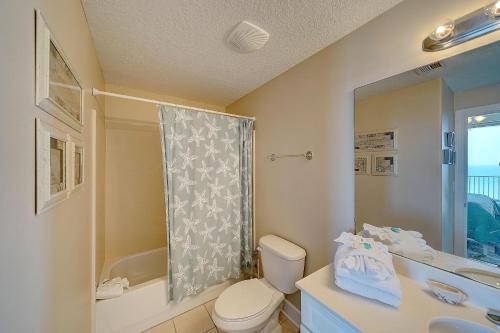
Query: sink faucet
[493,316]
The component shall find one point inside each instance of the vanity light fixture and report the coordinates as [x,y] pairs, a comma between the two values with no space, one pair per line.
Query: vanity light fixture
[473,25]
[443,31]
[493,10]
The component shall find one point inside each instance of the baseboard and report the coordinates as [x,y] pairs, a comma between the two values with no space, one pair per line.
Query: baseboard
[291,312]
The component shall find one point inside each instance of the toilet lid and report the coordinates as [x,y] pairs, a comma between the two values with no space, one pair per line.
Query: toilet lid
[243,299]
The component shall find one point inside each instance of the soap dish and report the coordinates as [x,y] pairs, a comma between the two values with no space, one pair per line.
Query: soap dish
[447,293]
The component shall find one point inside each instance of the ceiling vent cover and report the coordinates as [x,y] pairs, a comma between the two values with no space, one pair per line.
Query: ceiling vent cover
[428,68]
[247,37]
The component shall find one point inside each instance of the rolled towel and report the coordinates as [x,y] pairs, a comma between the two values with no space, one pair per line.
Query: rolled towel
[403,242]
[363,258]
[118,280]
[364,267]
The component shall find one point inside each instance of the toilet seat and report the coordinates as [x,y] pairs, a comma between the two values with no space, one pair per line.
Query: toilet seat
[246,304]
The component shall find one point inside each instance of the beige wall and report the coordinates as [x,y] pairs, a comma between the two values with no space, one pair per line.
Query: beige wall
[487,95]
[311,107]
[412,199]
[46,275]
[135,200]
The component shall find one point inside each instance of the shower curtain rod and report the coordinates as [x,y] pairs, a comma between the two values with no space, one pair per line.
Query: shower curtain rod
[97,92]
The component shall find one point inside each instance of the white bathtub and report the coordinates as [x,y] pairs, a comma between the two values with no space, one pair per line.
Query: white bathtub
[144,305]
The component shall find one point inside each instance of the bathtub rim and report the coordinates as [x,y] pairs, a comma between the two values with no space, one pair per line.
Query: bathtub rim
[110,264]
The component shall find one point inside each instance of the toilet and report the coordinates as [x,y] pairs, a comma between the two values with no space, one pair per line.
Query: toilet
[254,305]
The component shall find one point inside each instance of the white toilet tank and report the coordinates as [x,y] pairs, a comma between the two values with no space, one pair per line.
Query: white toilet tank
[283,262]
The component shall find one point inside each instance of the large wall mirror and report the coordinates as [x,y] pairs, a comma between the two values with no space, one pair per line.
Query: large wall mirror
[427,166]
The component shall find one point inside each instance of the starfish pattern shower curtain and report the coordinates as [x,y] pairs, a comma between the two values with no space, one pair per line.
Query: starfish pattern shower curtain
[207,160]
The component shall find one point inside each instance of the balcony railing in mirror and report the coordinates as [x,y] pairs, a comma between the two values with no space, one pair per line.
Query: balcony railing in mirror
[486,185]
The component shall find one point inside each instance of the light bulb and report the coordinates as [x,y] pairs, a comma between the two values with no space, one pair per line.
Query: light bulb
[443,31]
[493,10]
[479,119]
[469,120]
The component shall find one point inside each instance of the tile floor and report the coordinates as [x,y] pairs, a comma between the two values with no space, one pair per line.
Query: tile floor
[199,320]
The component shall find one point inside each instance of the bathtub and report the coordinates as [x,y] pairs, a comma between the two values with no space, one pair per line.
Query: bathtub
[144,304]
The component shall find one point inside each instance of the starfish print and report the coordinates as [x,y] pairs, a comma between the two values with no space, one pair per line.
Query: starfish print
[214,269]
[200,199]
[231,199]
[232,256]
[202,114]
[213,210]
[212,129]
[175,139]
[182,116]
[236,159]
[236,235]
[226,224]
[217,247]
[228,143]
[215,188]
[207,232]
[176,238]
[211,151]
[204,171]
[201,262]
[180,276]
[179,205]
[172,169]
[188,159]
[196,136]
[223,168]
[185,182]
[192,288]
[188,247]
[190,224]
[233,124]
[234,179]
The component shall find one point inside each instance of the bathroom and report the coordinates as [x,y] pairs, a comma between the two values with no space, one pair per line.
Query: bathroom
[324,65]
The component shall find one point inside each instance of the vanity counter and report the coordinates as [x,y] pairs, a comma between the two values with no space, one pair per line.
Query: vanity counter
[327,308]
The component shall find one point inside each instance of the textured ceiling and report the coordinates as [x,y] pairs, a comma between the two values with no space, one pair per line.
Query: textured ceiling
[177,47]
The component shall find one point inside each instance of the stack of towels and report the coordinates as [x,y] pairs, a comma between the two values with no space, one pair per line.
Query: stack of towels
[404,242]
[364,267]
[112,288]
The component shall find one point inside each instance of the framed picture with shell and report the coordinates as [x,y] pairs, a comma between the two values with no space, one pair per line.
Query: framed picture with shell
[59,165]
[52,160]
[58,91]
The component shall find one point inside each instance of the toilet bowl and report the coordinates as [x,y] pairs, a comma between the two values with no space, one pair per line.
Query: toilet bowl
[249,306]
[253,306]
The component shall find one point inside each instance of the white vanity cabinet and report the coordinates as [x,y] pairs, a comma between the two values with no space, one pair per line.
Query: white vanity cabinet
[325,308]
[317,318]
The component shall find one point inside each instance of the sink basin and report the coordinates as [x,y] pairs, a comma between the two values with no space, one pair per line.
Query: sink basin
[453,325]
[486,277]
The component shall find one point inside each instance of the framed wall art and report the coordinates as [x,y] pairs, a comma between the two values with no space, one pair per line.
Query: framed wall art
[376,140]
[385,164]
[58,91]
[77,163]
[52,160]
[362,164]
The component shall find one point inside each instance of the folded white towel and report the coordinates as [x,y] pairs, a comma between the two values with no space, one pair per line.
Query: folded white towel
[404,242]
[364,267]
[118,280]
[107,291]
[112,288]
[363,258]
[386,294]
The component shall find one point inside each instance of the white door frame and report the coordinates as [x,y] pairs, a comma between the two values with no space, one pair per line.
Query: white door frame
[460,227]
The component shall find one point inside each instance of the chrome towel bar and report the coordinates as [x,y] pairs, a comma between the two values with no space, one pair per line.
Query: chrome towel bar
[308,155]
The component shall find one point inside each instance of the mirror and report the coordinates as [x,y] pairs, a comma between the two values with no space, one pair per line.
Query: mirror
[427,163]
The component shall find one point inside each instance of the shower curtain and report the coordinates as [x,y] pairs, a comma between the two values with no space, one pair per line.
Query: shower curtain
[207,160]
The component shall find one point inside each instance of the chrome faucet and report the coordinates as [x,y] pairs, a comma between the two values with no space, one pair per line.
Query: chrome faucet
[493,316]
